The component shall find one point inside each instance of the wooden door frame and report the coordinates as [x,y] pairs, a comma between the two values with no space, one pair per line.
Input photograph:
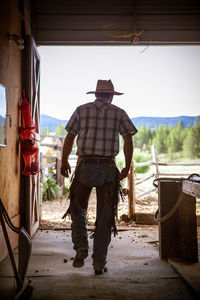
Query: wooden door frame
[30,185]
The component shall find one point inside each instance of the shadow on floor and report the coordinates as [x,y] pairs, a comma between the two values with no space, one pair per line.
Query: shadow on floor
[134,270]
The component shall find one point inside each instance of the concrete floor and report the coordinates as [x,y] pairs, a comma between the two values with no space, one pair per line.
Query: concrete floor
[134,270]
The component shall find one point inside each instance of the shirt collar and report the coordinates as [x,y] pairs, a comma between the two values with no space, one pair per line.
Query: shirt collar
[102,100]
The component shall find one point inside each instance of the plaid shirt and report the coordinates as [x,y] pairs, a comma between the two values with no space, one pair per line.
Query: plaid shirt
[98,125]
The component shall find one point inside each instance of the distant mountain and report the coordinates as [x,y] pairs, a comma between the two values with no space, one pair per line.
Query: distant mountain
[51,122]
[168,121]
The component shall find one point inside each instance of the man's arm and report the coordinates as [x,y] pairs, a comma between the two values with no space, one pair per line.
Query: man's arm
[67,149]
[128,153]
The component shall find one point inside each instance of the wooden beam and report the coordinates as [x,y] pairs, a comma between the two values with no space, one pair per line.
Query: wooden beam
[27,16]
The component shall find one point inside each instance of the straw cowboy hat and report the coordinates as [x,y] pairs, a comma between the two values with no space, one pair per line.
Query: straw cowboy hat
[105,86]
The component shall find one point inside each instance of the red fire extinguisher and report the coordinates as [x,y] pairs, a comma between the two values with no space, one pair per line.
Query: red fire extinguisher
[29,145]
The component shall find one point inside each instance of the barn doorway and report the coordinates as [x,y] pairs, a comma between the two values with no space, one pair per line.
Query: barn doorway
[146,74]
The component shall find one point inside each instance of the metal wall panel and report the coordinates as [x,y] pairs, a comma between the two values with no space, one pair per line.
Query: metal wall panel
[80,22]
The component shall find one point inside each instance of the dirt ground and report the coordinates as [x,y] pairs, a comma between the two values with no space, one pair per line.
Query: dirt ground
[52,211]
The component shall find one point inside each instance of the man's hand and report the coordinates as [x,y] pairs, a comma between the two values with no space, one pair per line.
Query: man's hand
[124,173]
[65,169]
[128,153]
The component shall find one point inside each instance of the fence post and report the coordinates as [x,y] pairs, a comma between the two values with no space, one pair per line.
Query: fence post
[59,177]
[131,192]
[155,159]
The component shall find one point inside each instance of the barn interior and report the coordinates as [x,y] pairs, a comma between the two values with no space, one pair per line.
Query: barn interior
[140,271]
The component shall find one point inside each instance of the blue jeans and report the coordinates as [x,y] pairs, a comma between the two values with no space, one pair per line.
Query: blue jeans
[102,176]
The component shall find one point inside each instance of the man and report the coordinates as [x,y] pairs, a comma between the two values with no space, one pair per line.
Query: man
[97,126]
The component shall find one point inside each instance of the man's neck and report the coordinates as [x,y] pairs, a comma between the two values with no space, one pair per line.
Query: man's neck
[103,99]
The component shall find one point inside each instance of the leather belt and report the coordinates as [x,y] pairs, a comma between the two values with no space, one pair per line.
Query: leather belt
[97,159]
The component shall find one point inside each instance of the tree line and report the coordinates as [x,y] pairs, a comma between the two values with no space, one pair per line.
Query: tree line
[171,139]
[168,139]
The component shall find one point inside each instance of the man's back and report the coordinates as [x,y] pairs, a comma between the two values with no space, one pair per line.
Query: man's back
[98,125]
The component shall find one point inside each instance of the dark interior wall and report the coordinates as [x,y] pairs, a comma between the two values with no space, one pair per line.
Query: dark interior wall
[10,77]
[80,22]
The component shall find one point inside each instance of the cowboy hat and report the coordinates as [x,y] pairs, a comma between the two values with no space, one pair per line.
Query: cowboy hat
[105,86]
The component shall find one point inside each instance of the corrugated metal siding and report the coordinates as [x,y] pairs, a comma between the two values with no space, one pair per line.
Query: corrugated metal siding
[80,22]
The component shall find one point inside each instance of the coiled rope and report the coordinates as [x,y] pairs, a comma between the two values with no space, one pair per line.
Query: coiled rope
[125,36]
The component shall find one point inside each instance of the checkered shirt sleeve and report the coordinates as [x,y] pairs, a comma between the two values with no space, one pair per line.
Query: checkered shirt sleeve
[126,126]
[73,125]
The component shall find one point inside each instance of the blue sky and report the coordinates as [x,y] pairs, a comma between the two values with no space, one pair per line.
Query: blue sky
[162,81]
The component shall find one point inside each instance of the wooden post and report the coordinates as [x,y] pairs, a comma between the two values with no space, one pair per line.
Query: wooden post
[187,221]
[131,192]
[178,234]
[168,193]
[155,159]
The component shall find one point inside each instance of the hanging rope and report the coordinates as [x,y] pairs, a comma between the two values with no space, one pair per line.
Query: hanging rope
[133,35]
[125,36]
